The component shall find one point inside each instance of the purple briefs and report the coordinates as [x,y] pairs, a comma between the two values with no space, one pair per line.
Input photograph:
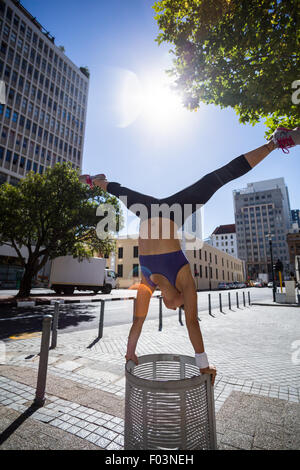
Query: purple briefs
[167,264]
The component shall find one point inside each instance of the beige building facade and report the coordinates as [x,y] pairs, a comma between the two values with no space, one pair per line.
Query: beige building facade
[209,265]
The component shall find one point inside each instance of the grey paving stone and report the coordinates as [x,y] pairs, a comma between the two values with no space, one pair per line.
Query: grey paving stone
[93,437]
[104,443]
[91,427]
[112,446]
[74,429]
[110,435]
[83,433]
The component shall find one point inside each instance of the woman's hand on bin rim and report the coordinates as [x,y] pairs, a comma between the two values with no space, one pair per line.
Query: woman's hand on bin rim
[132,357]
[210,370]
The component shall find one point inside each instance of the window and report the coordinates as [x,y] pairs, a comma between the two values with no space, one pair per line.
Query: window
[120,270]
[120,252]
[135,251]
[200,270]
[135,270]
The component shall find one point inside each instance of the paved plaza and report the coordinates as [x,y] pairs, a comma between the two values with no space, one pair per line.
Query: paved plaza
[255,349]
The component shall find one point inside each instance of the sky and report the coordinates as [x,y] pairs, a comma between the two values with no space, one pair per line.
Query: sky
[137,131]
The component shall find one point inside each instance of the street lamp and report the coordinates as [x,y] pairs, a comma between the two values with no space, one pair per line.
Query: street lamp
[209,281]
[269,237]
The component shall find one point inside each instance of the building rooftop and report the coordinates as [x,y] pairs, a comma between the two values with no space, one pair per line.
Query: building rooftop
[230,228]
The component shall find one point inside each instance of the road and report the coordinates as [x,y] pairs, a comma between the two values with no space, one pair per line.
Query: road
[19,322]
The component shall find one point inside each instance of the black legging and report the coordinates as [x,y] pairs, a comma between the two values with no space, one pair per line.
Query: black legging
[196,194]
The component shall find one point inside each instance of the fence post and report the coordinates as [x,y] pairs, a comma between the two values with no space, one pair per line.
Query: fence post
[209,304]
[180,316]
[244,300]
[101,319]
[220,301]
[160,314]
[55,325]
[134,305]
[43,362]
[229,301]
[249,298]
[237,300]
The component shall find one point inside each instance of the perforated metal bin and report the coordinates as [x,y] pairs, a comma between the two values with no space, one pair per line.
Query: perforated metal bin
[168,405]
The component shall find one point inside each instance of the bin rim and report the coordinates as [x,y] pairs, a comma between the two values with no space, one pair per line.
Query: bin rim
[170,385]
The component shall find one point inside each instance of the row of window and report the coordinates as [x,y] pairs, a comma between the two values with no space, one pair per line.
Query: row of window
[121,252]
[134,273]
[223,237]
[19,162]
[39,71]
[210,273]
[60,129]
[12,139]
[33,38]
[28,88]
[233,265]
[39,115]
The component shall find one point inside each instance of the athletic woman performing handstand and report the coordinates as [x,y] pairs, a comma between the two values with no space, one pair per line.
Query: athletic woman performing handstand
[163,264]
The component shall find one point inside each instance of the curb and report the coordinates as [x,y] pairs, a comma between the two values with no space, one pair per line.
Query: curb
[34,303]
[275,305]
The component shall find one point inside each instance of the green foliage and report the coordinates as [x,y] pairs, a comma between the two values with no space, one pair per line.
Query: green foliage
[235,53]
[53,215]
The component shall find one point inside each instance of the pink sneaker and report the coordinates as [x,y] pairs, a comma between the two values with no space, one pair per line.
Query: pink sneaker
[89,179]
[86,179]
[286,138]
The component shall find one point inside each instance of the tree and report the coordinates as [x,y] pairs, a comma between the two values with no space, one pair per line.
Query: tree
[53,215]
[235,53]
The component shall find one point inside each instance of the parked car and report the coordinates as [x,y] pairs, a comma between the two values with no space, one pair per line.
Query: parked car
[241,285]
[258,284]
[270,284]
[223,286]
[230,285]
[236,285]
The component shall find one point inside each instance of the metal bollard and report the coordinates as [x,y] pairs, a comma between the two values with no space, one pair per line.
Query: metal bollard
[237,300]
[55,325]
[43,363]
[160,314]
[220,301]
[244,300]
[229,301]
[134,305]
[180,316]
[101,319]
[209,304]
[249,298]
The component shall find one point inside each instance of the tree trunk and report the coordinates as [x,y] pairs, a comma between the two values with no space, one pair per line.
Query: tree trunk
[25,285]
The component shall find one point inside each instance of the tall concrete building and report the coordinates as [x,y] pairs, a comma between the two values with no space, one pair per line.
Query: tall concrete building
[43,119]
[260,209]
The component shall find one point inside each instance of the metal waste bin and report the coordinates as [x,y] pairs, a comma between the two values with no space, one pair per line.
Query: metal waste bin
[169,405]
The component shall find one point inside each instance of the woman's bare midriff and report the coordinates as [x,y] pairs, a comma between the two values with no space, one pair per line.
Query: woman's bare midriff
[157,236]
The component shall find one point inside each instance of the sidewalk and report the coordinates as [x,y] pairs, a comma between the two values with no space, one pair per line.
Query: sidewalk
[256,391]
